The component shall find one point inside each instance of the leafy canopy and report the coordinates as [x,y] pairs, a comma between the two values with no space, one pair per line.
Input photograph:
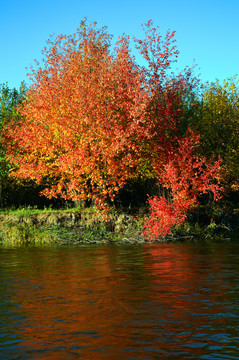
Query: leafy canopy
[93,119]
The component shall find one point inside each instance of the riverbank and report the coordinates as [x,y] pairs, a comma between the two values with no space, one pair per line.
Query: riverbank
[70,227]
[34,227]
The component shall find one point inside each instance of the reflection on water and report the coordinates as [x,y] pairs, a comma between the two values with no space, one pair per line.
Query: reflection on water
[172,301]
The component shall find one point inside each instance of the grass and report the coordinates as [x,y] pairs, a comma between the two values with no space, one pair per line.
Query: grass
[32,210]
[14,232]
[23,235]
[14,235]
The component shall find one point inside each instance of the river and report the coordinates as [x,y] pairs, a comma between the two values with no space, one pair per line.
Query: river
[160,301]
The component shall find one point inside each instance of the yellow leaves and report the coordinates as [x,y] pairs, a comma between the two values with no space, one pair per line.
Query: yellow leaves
[56,133]
[235,186]
[219,124]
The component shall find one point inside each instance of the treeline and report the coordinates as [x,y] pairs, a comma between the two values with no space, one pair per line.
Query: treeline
[97,127]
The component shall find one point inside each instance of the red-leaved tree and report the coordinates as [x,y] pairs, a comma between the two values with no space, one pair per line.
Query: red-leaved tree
[172,145]
[187,176]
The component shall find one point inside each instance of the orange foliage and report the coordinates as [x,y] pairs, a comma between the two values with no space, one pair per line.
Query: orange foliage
[81,118]
[92,117]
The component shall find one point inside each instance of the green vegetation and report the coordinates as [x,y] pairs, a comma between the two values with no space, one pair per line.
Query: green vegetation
[217,122]
[10,99]
[31,210]
[27,235]
[30,226]
[33,227]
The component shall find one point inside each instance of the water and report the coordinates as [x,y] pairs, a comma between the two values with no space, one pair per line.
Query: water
[172,301]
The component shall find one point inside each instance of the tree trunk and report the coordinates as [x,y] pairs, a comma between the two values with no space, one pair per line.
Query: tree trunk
[165,192]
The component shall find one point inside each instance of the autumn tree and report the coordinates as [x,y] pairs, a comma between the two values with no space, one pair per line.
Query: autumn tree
[170,96]
[81,117]
[94,118]
[219,127]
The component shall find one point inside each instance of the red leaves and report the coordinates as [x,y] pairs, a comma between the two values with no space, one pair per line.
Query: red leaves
[164,217]
[159,53]
[187,176]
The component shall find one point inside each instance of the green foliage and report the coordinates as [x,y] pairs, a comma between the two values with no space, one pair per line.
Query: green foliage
[9,101]
[218,126]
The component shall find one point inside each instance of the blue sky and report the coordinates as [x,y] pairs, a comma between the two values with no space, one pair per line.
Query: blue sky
[206,30]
